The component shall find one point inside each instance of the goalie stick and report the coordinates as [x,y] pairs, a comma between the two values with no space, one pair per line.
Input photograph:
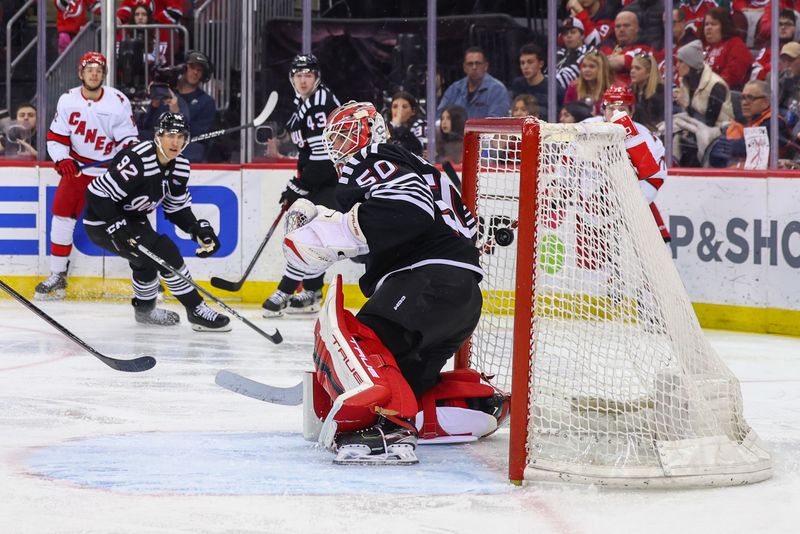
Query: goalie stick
[136,365]
[272,101]
[275,338]
[291,396]
[236,286]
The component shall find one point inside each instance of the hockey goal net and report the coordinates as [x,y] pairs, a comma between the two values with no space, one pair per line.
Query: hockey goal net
[586,322]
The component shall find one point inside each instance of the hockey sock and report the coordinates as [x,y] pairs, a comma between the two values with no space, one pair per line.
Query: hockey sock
[61,231]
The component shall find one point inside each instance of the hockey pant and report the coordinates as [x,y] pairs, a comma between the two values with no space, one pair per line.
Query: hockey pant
[144,272]
[68,204]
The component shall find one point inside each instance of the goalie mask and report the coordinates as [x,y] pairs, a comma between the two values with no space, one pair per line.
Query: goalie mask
[351,127]
[171,123]
[305,63]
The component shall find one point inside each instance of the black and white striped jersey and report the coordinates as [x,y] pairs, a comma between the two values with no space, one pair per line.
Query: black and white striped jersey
[410,213]
[136,184]
[306,125]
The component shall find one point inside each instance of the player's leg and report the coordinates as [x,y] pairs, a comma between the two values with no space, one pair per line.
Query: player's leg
[67,206]
[455,406]
[368,406]
[309,300]
[275,305]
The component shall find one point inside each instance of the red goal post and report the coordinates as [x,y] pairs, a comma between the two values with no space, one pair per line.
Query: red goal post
[586,322]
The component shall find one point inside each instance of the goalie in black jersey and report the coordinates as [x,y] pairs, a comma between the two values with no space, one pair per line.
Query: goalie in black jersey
[378,384]
[117,203]
[315,180]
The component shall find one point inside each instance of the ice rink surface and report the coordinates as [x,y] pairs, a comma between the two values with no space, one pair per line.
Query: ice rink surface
[84,448]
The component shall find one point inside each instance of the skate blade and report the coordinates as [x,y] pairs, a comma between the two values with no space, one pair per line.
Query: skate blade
[359,455]
[200,328]
[58,294]
[304,311]
[272,314]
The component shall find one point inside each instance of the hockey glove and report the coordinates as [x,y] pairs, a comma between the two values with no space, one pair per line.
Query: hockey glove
[294,189]
[331,236]
[67,168]
[203,233]
[121,237]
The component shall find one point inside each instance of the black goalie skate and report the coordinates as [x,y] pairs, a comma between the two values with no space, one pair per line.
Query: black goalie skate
[386,443]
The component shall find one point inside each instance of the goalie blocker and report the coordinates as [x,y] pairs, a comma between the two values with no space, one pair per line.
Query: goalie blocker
[358,403]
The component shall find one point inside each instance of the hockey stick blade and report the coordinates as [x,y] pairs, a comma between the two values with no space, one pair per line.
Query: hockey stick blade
[136,365]
[236,286]
[272,101]
[291,396]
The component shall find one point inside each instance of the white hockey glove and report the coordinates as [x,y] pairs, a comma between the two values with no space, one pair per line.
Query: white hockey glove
[302,212]
[329,237]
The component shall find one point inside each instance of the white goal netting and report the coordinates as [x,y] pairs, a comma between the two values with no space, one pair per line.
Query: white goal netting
[624,388]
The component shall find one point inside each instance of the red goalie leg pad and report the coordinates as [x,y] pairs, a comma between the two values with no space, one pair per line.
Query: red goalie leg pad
[454,390]
[353,363]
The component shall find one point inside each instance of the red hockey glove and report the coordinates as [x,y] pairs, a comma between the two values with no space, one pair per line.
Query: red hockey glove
[68,168]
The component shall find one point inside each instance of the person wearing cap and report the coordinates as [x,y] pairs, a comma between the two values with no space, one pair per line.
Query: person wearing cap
[575,46]
[706,102]
[787,25]
[533,80]
[188,99]
[789,83]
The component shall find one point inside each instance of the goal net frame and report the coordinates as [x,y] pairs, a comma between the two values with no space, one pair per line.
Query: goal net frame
[740,461]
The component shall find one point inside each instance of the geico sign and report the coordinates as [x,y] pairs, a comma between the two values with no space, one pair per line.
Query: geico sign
[738,240]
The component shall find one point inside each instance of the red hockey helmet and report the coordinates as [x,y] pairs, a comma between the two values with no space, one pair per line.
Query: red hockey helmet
[93,57]
[618,94]
[350,128]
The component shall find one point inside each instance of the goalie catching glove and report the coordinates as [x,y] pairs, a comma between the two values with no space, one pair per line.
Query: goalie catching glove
[203,233]
[329,236]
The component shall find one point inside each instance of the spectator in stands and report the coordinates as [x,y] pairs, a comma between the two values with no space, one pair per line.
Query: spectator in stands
[624,46]
[406,127]
[450,137]
[730,148]
[694,13]
[787,25]
[574,112]
[789,83]
[682,31]
[589,34]
[191,101]
[533,80]
[569,55]
[478,92]
[595,78]
[706,102]
[20,135]
[650,14]
[726,53]
[163,12]
[72,16]
[648,89]
[525,106]
[601,12]
[762,27]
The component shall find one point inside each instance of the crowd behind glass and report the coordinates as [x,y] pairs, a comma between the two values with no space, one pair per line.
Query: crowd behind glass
[720,91]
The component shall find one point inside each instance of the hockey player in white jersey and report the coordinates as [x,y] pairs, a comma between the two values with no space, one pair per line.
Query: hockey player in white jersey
[92,123]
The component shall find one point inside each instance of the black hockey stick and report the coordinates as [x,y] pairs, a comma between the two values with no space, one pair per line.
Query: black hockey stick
[236,286]
[275,338]
[272,101]
[136,365]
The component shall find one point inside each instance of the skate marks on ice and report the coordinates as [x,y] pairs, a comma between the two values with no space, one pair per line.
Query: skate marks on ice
[248,463]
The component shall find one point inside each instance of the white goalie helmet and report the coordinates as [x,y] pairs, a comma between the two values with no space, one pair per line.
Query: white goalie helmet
[350,128]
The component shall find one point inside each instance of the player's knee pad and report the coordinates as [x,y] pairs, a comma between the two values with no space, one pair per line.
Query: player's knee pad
[461,408]
[356,371]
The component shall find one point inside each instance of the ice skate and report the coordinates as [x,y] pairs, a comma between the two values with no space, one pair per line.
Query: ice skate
[386,443]
[53,288]
[307,301]
[204,319]
[276,304]
[147,313]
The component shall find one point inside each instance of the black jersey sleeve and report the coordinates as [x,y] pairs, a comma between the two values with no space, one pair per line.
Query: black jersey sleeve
[177,199]
[107,193]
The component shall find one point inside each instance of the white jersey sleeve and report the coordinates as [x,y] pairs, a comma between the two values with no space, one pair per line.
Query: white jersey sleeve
[58,142]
